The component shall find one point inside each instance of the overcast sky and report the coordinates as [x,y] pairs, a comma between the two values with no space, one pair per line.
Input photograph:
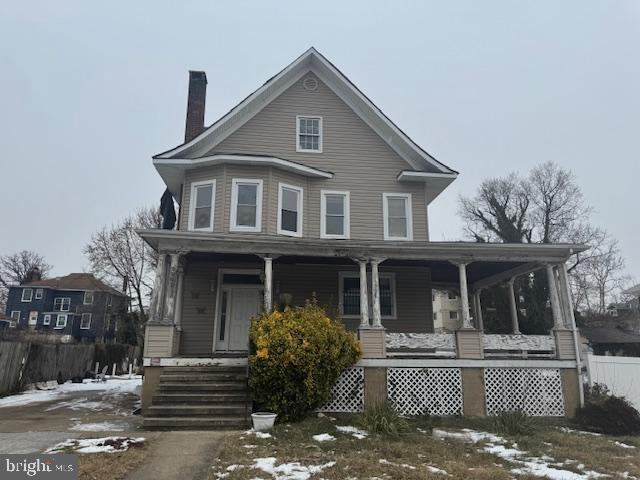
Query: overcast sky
[89,92]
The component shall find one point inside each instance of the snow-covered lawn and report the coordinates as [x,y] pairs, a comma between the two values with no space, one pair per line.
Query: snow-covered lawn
[96,445]
[113,386]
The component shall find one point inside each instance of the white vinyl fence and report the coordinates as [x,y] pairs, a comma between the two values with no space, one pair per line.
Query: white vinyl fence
[620,374]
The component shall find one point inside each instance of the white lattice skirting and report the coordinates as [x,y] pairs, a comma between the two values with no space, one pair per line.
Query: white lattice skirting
[534,391]
[348,392]
[421,391]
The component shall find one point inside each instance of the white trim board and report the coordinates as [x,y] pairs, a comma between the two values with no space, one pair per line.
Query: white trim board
[193,362]
[463,363]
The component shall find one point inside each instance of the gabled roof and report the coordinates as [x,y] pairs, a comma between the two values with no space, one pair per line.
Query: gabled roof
[75,281]
[313,61]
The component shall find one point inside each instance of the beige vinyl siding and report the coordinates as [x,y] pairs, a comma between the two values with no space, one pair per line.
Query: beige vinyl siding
[361,161]
[199,175]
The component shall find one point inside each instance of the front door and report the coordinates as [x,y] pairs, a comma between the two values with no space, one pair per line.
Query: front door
[238,304]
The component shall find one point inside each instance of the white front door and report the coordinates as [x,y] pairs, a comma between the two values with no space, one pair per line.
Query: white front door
[33,319]
[238,305]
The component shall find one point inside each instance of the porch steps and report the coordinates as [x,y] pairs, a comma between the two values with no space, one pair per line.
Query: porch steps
[200,398]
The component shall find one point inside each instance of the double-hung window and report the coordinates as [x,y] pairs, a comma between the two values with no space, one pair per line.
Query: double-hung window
[309,134]
[350,294]
[27,294]
[246,205]
[15,317]
[47,319]
[61,321]
[289,210]
[88,297]
[202,205]
[38,293]
[334,214]
[61,304]
[85,321]
[398,224]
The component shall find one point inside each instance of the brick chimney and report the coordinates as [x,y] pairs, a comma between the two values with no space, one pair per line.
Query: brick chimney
[195,104]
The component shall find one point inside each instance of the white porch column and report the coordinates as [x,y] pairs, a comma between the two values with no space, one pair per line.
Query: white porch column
[464,296]
[179,294]
[375,293]
[553,297]
[364,300]
[513,308]
[157,297]
[168,316]
[268,283]
[479,322]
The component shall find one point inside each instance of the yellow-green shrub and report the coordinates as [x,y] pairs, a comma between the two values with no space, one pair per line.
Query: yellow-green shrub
[297,356]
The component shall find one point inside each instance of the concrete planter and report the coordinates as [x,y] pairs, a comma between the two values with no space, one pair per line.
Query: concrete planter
[263,421]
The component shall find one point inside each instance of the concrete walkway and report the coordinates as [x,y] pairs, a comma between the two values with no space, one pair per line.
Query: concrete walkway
[180,455]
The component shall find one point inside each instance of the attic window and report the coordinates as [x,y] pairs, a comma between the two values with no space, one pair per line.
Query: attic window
[309,134]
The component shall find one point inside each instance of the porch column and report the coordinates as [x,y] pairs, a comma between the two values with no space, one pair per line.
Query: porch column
[513,308]
[168,316]
[179,294]
[364,301]
[157,297]
[375,293]
[464,296]
[553,297]
[479,322]
[268,283]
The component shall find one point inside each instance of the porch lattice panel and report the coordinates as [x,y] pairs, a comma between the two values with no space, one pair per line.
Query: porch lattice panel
[348,392]
[421,391]
[534,391]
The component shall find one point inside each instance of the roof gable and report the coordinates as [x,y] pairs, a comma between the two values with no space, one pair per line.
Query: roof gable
[310,61]
[74,281]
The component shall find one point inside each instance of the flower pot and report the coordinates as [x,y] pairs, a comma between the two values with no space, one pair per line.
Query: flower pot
[263,421]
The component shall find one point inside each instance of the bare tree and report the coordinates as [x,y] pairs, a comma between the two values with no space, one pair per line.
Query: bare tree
[121,257]
[16,268]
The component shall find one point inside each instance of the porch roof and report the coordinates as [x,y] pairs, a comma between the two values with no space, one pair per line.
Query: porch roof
[489,262]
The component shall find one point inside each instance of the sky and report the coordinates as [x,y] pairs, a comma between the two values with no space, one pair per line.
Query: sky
[90,91]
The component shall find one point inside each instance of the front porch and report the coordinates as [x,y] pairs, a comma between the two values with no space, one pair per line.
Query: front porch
[381,291]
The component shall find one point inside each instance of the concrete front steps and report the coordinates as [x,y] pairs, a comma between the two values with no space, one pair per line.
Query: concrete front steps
[200,398]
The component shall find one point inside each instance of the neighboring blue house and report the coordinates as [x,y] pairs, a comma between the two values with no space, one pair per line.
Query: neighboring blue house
[79,305]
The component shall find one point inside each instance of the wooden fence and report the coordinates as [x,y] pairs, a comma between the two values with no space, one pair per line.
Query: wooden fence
[13,356]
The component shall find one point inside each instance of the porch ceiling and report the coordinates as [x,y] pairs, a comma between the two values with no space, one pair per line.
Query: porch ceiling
[487,263]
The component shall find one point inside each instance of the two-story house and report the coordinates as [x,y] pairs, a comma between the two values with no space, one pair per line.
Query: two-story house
[306,188]
[78,305]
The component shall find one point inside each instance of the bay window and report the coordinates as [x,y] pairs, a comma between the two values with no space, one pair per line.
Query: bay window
[334,214]
[202,205]
[246,205]
[289,210]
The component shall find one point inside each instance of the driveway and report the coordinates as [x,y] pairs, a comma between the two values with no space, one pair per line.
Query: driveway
[34,421]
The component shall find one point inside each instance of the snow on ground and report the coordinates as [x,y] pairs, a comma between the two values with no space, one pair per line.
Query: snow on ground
[324,437]
[433,469]
[99,427]
[579,432]
[96,445]
[288,471]
[355,432]
[114,385]
[623,445]
[258,434]
[80,404]
[527,465]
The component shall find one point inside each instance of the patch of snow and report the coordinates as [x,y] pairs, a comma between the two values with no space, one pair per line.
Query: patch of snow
[250,446]
[80,404]
[96,445]
[288,471]
[467,435]
[111,386]
[579,432]
[99,427]
[231,468]
[355,432]
[403,465]
[433,469]
[324,437]
[623,445]
[257,434]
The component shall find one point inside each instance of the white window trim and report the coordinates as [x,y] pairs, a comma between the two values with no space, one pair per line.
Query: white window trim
[13,320]
[58,326]
[84,299]
[354,274]
[46,320]
[300,190]
[323,213]
[82,320]
[61,304]
[39,293]
[320,136]
[25,290]
[234,205]
[409,213]
[192,205]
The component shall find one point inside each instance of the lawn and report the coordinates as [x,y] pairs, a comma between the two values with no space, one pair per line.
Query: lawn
[291,452]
